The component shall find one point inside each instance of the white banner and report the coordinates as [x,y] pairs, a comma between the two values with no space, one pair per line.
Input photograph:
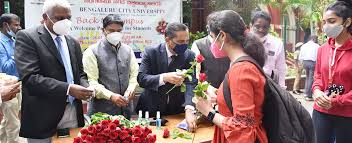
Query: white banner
[142,19]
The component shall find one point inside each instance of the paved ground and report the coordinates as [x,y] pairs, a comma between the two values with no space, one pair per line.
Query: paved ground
[307,104]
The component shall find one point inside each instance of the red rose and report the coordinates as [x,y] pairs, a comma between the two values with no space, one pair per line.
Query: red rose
[128,130]
[114,135]
[112,126]
[136,131]
[118,130]
[83,137]
[84,131]
[98,127]
[104,123]
[123,135]
[91,130]
[77,140]
[128,138]
[117,122]
[202,77]
[147,130]
[200,58]
[136,140]
[166,133]
[106,132]
[151,138]
[89,138]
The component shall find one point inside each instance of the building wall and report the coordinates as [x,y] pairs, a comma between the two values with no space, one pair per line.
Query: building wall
[200,11]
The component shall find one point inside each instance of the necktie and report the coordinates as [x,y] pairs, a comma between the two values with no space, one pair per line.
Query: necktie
[65,58]
[172,64]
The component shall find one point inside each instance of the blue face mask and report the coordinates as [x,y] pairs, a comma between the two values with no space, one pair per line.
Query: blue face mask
[10,32]
[180,48]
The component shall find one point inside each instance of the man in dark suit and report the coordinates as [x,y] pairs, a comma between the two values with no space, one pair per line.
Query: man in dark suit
[49,63]
[157,75]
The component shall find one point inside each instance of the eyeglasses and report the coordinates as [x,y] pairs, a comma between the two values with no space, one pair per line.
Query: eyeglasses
[258,27]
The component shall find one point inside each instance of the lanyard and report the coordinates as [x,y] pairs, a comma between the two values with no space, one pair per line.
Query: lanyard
[333,64]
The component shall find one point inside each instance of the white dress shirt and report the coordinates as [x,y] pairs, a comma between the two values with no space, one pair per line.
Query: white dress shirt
[309,51]
[64,46]
[275,62]
[169,59]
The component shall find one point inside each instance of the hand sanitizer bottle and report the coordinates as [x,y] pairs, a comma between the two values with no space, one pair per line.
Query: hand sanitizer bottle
[140,115]
[158,120]
[147,117]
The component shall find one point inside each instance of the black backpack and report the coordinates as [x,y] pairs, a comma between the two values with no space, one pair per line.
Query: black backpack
[285,119]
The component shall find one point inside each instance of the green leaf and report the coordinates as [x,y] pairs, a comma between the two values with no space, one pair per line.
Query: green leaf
[177,134]
[189,77]
[204,87]
[190,71]
[187,136]
[183,87]
[178,70]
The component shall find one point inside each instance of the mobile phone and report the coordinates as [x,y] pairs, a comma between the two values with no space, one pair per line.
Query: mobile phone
[63,133]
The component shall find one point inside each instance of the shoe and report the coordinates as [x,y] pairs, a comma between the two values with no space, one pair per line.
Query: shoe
[299,91]
[309,99]
[296,92]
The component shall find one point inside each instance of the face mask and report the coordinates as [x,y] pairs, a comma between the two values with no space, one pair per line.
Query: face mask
[114,38]
[10,32]
[216,51]
[332,31]
[180,48]
[61,27]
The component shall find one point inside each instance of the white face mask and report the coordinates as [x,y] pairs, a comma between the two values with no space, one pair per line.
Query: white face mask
[61,27]
[114,38]
[333,31]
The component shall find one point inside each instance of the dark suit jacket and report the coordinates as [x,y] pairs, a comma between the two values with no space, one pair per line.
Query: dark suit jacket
[44,85]
[154,98]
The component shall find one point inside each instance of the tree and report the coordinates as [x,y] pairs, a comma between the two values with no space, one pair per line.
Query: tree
[187,12]
[17,7]
[242,7]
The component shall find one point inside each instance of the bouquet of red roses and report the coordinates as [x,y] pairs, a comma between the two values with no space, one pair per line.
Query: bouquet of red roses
[112,131]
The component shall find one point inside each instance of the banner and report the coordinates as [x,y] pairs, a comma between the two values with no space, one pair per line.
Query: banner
[144,20]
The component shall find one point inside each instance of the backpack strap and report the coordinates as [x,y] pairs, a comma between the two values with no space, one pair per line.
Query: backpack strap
[226,88]
[227,93]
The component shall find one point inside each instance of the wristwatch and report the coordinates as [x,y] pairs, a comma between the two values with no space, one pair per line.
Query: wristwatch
[211,115]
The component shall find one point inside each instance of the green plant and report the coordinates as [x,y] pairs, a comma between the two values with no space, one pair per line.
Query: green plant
[196,36]
[243,7]
[187,12]
[290,54]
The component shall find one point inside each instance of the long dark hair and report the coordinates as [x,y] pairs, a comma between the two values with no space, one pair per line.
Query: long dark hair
[342,8]
[232,23]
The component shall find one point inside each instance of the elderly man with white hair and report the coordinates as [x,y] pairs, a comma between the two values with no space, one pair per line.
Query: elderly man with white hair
[49,63]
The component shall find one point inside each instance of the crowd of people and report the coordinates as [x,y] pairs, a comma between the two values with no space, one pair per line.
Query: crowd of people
[45,76]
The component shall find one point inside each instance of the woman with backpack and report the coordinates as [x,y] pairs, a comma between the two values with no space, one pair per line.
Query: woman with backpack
[332,85]
[246,83]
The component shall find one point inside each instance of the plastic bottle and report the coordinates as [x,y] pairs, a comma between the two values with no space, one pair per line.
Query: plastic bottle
[158,120]
[146,116]
[140,115]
